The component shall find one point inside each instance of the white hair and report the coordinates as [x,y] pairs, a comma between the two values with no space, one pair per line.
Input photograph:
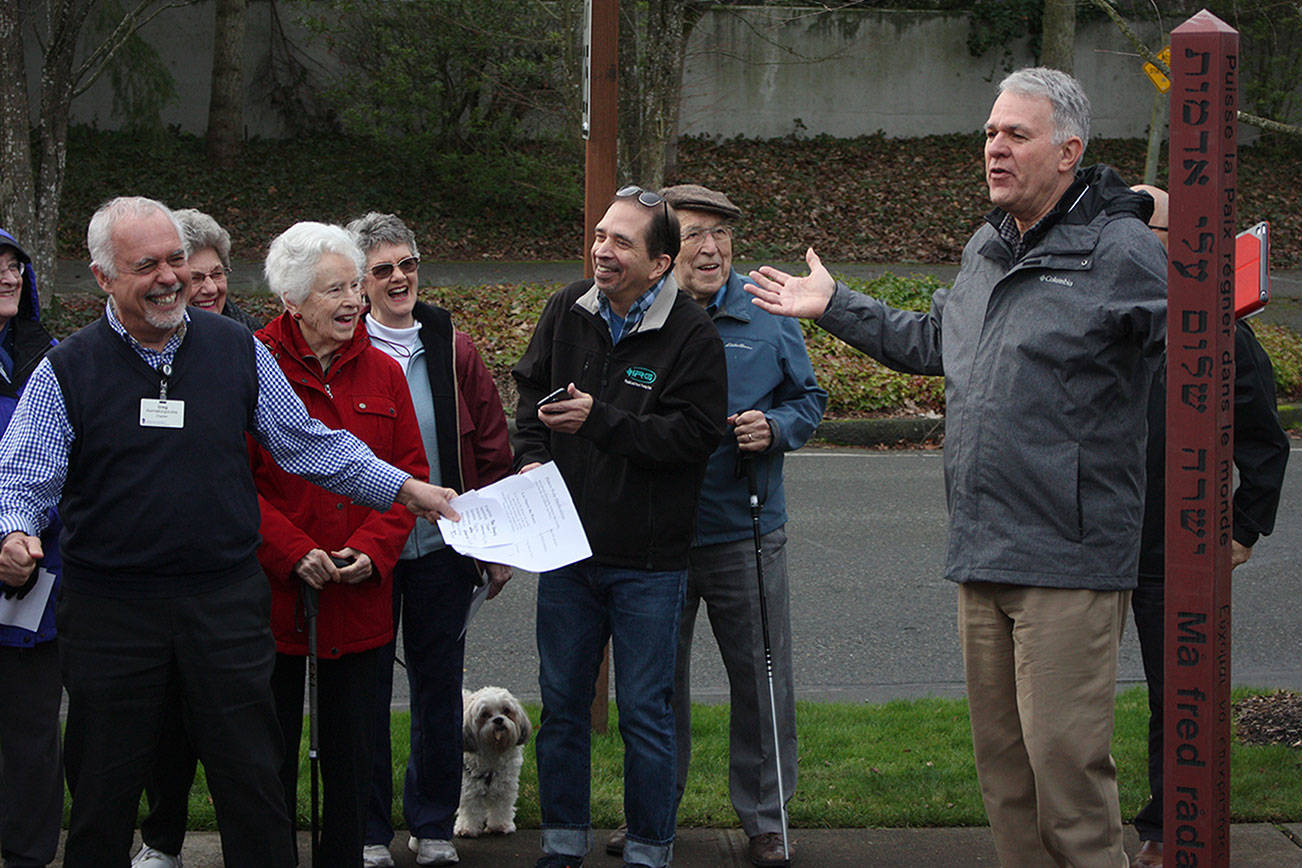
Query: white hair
[99,234]
[1071,107]
[294,255]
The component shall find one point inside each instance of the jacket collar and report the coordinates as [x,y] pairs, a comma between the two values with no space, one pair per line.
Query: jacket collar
[285,340]
[736,300]
[654,318]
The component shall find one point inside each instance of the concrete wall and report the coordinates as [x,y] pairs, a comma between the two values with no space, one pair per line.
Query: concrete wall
[750,71]
[766,72]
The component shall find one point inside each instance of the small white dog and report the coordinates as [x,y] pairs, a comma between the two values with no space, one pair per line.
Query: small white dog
[494,728]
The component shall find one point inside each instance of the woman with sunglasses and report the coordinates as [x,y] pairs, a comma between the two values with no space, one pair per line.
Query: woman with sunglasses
[464,431]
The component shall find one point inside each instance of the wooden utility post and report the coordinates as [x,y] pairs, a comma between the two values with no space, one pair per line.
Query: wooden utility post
[600,130]
[600,116]
[1203,169]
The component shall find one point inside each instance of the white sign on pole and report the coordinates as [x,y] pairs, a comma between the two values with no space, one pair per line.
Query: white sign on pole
[587,65]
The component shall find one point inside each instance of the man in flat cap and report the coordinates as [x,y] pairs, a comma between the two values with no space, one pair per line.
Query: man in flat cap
[774,405]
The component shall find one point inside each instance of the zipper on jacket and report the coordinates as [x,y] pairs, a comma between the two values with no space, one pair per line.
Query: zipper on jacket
[329,394]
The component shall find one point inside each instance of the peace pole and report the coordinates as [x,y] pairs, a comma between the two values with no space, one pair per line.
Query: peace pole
[1203,169]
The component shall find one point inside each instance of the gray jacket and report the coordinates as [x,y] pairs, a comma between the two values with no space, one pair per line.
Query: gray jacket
[1047,364]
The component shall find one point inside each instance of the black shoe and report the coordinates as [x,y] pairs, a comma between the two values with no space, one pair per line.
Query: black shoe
[618,838]
[551,860]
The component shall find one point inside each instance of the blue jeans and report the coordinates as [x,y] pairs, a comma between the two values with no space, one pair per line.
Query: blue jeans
[580,607]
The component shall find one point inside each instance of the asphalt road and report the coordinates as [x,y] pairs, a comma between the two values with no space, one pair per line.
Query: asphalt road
[872,618]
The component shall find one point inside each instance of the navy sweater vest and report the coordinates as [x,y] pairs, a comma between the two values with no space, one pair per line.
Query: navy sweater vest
[158,512]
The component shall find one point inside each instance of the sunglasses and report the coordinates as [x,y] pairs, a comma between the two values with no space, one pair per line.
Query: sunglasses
[649,198]
[384,270]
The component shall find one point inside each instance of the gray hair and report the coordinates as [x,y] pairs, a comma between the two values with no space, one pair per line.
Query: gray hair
[99,234]
[202,231]
[374,229]
[1071,107]
[296,252]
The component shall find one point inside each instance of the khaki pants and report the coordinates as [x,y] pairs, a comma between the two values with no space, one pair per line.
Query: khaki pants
[1041,666]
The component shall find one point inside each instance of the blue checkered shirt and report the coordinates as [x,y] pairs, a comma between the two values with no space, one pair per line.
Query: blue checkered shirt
[618,327]
[35,447]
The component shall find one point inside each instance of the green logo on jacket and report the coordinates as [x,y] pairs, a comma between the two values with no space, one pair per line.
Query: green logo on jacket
[641,375]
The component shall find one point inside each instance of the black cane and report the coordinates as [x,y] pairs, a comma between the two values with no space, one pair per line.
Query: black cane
[749,463]
[310,610]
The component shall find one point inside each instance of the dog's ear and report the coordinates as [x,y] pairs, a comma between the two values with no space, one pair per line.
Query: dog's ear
[526,725]
[469,734]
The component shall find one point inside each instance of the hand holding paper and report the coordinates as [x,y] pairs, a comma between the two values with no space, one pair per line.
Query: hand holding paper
[527,521]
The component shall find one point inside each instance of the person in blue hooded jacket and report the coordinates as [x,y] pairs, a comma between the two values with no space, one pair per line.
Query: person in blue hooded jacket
[31,764]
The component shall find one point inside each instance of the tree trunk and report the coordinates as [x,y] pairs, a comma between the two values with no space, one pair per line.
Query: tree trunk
[1058,37]
[17,193]
[652,39]
[226,106]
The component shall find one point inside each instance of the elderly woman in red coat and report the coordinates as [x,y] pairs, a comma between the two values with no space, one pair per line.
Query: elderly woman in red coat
[312,537]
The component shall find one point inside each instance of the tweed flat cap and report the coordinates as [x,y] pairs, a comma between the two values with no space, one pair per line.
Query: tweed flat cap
[698,198]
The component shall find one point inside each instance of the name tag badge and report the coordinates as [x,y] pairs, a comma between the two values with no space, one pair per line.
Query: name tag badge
[156,413]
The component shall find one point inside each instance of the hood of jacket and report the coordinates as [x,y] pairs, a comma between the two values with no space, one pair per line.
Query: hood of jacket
[29,303]
[1095,190]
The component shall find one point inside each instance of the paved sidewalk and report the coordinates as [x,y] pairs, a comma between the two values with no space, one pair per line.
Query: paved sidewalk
[1256,845]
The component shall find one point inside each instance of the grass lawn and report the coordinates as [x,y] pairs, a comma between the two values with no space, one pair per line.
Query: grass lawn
[904,763]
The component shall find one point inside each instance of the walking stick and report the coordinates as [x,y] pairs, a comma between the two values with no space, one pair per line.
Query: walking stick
[310,610]
[749,463]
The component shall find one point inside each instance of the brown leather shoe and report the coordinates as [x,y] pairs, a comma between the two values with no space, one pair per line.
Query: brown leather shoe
[1149,855]
[766,851]
[615,844]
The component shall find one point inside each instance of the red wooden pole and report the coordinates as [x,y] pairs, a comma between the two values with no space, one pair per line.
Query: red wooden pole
[1203,170]
[603,101]
[598,190]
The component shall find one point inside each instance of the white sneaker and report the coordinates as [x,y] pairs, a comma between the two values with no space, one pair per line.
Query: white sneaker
[376,856]
[432,851]
[148,857]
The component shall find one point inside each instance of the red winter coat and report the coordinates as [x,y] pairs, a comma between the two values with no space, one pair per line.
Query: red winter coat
[366,393]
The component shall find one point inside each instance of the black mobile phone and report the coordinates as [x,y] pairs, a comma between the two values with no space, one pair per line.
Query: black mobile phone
[559,395]
[341,562]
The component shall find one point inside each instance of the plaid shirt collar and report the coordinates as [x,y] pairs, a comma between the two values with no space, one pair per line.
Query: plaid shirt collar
[149,355]
[636,310]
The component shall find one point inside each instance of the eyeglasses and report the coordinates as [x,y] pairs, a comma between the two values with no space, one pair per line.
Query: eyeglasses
[14,267]
[384,270]
[720,234]
[649,198]
[217,275]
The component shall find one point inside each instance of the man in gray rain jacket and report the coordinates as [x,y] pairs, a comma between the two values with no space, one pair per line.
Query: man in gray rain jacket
[1048,341]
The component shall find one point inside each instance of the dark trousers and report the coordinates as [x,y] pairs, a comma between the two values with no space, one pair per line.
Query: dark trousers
[430,598]
[31,765]
[122,661]
[345,694]
[1146,602]
[168,787]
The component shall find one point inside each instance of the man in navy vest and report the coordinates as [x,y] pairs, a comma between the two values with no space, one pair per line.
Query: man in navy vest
[135,426]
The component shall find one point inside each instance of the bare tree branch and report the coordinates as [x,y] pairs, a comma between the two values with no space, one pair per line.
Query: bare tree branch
[97,61]
[1149,55]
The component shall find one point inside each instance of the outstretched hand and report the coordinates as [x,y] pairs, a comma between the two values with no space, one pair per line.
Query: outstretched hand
[780,293]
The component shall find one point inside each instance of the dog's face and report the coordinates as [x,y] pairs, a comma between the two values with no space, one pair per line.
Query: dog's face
[493,721]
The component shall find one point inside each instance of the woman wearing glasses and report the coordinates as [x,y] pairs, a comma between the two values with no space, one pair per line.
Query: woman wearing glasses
[311,537]
[210,265]
[162,831]
[464,431]
[32,784]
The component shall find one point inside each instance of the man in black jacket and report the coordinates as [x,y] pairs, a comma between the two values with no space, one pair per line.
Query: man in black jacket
[1260,454]
[624,386]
